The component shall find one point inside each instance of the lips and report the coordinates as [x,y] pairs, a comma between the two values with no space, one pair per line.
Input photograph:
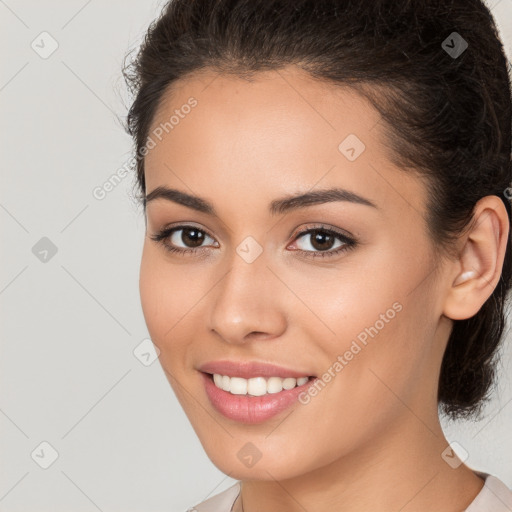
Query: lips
[250,409]
[244,408]
[251,369]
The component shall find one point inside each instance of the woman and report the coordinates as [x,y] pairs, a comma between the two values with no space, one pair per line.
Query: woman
[326,189]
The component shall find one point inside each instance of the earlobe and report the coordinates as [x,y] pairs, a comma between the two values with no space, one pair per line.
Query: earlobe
[465,295]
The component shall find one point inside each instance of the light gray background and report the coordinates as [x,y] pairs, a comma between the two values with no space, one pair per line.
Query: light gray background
[69,326]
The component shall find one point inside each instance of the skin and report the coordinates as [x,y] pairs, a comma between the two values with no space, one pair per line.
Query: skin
[371,439]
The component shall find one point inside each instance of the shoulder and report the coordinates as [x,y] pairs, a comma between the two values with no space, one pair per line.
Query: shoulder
[221,502]
[495,496]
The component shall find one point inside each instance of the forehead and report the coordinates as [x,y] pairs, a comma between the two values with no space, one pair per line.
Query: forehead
[287,101]
[277,132]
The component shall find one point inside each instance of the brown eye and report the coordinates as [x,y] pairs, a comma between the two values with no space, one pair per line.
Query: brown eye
[321,240]
[192,237]
[183,239]
[187,237]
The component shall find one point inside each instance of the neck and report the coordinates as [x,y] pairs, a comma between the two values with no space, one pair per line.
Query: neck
[401,470]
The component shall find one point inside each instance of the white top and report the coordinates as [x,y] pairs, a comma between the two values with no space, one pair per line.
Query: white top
[494,496]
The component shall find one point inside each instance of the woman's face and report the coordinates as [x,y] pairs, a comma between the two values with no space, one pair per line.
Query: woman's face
[364,318]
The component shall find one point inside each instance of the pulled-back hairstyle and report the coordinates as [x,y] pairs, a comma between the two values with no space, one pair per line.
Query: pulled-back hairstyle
[447,116]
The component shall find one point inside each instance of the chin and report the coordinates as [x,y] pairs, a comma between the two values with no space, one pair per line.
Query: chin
[242,460]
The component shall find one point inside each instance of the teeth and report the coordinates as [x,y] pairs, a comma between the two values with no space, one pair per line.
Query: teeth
[256,386]
[274,385]
[225,384]
[237,386]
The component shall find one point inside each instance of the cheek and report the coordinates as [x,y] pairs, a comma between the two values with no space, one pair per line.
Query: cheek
[152,296]
[165,303]
[368,316]
[351,302]
[164,297]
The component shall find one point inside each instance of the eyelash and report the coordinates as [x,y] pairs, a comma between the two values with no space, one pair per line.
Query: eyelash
[349,243]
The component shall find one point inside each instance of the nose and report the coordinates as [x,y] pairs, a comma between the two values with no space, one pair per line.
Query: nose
[246,304]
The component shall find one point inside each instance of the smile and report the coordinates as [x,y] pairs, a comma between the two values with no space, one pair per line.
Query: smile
[256,386]
[253,400]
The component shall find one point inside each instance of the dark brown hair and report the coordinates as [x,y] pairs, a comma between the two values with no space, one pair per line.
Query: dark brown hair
[447,114]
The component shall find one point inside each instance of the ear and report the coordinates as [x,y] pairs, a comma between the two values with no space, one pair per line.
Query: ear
[477,270]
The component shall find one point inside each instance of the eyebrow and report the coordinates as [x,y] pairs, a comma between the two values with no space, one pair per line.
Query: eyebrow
[276,207]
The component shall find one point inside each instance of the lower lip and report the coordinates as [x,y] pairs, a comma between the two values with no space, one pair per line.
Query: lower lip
[251,409]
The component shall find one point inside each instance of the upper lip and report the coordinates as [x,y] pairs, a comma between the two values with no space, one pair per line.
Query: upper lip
[249,369]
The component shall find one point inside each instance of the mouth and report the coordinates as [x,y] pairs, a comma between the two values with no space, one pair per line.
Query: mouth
[256,386]
[255,399]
